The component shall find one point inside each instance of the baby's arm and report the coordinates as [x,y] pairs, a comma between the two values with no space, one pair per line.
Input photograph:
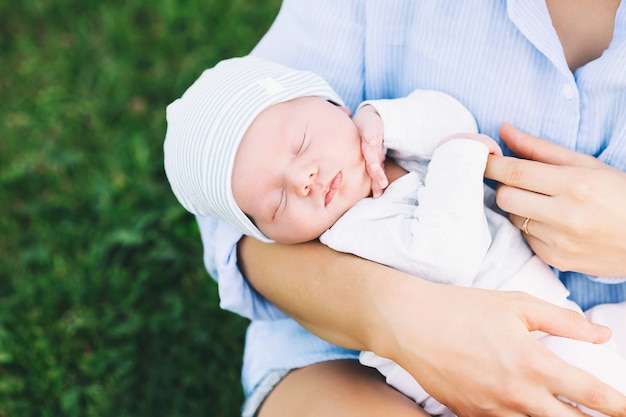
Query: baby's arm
[414,125]
[418,123]
[451,213]
[447,236]
[434,228]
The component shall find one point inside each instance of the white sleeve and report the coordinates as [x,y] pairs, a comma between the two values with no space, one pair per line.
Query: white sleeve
[416,124]
[451,208]
[443,238]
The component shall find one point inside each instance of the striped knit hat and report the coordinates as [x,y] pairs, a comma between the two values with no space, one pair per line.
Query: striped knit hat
[206,125]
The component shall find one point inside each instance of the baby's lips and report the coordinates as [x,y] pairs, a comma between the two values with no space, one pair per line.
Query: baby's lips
[334,185]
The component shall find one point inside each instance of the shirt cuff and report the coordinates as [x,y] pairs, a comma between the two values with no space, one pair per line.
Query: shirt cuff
[608,280]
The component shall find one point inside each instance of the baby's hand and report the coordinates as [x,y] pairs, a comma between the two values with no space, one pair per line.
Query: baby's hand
[492,145]
[370,127]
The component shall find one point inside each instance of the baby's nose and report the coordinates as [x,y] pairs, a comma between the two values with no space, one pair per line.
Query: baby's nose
[301,179]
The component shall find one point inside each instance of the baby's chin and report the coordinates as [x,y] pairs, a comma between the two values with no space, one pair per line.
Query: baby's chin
[309,235]
[295,238]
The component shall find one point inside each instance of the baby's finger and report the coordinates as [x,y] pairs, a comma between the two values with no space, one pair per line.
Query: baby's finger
[377,191]
[379,179]
[374,163]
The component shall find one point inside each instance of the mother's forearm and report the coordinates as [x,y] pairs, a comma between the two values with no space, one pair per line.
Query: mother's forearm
[440,334]
[338,297]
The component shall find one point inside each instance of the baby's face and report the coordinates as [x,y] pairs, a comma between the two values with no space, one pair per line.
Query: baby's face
[298,168]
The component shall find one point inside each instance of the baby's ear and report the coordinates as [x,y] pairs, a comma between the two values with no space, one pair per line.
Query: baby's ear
[346,110]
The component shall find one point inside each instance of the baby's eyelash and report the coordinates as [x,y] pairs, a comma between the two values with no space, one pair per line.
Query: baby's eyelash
[301,144]
[280,202]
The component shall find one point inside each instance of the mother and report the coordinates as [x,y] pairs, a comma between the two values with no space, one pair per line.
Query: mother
[554,69]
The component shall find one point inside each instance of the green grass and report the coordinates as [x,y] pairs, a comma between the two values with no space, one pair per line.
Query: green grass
[105,306]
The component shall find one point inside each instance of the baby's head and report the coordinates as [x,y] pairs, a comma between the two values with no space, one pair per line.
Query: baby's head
[254,119]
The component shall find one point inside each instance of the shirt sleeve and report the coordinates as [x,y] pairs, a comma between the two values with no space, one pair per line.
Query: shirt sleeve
[608,280]
[220,259]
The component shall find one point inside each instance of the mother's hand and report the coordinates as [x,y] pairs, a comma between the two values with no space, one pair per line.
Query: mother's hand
[471,350]
[576,204]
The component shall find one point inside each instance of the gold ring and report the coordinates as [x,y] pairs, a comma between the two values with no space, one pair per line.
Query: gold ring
[525,226]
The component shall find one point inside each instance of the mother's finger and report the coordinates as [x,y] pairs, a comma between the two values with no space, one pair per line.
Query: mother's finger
[524,174]
[525,224]
[521,201]
[589,392]
[554,407]
[531,147]
[534,233]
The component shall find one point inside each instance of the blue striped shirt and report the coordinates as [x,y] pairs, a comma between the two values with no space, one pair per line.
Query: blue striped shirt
[501,59]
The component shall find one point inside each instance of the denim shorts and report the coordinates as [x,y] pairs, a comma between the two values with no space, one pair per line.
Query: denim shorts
[273,349]
[260,393]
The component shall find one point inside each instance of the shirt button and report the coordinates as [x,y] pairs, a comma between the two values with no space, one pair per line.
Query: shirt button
[569,92]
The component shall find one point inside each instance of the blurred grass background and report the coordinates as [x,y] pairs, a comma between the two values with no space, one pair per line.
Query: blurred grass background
[105,306]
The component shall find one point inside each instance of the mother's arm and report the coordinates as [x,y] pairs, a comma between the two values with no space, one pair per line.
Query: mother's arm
[441,334]
[576,203]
